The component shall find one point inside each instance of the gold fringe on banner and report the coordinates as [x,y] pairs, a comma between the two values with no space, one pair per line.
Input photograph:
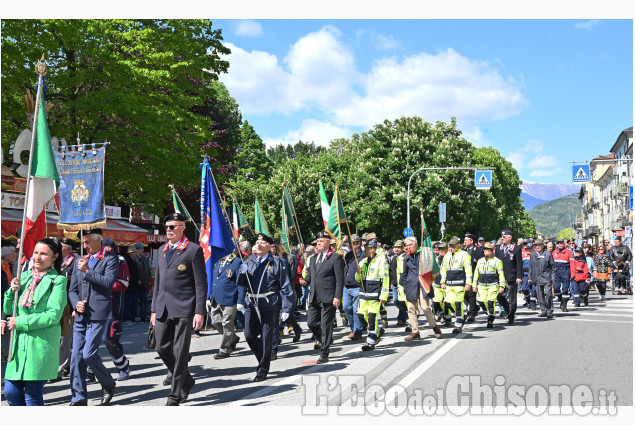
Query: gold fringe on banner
[71,235]
[82,226]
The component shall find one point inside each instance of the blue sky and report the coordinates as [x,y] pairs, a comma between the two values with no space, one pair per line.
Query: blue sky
[542,92]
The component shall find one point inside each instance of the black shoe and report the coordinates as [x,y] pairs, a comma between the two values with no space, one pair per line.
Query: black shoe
[79,403]
[260,378]
[586,301]
[185,390]
[490,324]
[368,347]
[317,345]
[549,315]
[323,359]
[470,318]
[408,329]
[381,332]
[563,305]
[233,346]
[510,320]
[171,403]
[274,356]
[457,330]
[297,334]
[543,314]
[221,355]
[107,393]
[65,372]
[167,381]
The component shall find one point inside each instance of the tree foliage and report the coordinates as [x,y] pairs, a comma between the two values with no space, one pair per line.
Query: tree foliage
[145,86]
[372,170]
[567,233]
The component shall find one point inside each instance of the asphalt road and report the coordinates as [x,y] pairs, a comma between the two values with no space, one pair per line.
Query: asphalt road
[586,353]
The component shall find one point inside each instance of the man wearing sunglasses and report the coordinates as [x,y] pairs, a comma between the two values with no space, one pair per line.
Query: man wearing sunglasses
[178,303]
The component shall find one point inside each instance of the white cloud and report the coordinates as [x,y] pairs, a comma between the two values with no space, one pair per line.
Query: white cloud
[533,146]
[385,42]
[588,25]
[311,131]
[247,28]
[543,161]
[546,173]
[517,159]
[476,137]
[319,75]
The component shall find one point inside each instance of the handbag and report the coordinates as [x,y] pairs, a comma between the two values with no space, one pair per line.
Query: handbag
[151,342]
[65,321]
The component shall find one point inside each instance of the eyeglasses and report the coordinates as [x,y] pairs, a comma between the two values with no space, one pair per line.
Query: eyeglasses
[172,226]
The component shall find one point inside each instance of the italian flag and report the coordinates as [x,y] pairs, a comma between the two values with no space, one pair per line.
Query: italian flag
[428,267]
[43,184]
[324,203]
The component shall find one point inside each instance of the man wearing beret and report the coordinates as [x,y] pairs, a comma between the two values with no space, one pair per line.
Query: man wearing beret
[90,295]
[268,291]
[476,253]
[178,303]
[512,258]
[326,280]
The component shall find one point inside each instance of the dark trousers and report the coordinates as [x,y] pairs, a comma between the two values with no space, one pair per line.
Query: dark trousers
[545,298]
[470,302]
[259,335]
[319,318]
[508,298]
[173,336]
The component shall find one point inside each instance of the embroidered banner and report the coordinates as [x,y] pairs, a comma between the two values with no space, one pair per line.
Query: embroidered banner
[81,187]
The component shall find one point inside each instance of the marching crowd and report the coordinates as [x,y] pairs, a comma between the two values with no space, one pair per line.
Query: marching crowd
[264,290]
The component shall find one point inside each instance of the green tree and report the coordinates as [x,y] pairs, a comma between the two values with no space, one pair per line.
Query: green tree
[567,233]
[293,151]
[251,159]
[137,84]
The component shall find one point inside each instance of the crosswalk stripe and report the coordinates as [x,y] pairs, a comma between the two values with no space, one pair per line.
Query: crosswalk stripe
[576,319]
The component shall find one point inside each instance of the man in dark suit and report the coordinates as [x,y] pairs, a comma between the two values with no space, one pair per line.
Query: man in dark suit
[326,280]
[512,258]
[268,291]
[90,295]
[178,303]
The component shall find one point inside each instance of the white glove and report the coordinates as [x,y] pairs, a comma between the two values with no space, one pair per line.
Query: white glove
[243,268]
[240,307]
[208,304]
[284,316]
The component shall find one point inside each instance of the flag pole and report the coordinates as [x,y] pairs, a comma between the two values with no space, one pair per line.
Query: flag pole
[248,225]
[295,219]
[350,237]
[41,70]
[231,232]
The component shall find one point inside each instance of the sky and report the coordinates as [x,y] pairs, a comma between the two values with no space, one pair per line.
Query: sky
[543,92]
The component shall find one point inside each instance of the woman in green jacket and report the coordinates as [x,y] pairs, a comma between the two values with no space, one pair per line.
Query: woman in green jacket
[36,343]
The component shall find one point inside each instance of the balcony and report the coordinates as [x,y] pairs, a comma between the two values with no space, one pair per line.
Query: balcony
[593,230]
[615,225]
[578,225]
[624,221]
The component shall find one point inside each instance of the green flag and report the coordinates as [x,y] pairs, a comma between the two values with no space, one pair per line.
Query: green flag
[259,221]
[287,222]
[336,216]
[178,205]
[324,205]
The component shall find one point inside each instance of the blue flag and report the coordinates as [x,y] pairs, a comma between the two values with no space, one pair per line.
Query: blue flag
[216,239]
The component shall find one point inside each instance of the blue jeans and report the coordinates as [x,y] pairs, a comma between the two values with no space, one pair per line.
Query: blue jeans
[403,312]
[350,302]
[142,298]
[130,311]
[24,393]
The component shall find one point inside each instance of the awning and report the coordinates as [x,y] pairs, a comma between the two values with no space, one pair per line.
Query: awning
[121,232]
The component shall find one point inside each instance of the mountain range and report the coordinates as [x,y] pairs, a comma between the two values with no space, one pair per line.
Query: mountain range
[537,193]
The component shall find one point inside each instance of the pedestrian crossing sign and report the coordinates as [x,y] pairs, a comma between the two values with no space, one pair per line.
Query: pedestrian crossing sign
[581,173]
[483,179]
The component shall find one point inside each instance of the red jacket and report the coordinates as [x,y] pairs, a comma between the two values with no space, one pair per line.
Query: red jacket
[579,269]
[298,272]
[123,277]
[563,257]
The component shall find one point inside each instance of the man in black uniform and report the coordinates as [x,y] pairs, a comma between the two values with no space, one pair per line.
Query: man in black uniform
[476,252]
[512,258]
[178,303]
[267,291]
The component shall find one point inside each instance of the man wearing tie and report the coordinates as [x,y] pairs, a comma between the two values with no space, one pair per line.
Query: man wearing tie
[90,295]
[326,280]
[512,258]
[178,303]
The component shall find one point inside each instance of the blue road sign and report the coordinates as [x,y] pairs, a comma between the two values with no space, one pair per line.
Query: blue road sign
[631,191]
[408,232]
[483,179]
[581,173]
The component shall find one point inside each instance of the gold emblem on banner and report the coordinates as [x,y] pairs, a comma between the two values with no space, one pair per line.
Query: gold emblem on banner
[182,267]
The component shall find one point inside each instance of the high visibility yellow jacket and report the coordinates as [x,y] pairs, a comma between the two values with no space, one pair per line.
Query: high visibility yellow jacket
[456,269]
[489,271]
[375,278]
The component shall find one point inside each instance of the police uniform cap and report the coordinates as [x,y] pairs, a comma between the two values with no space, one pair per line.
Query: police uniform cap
[507,232]
[435,244]
[107,242]
[530,245]
[398,244]
[69,242]
[93,232]
[442,245]
[454,240]
[263,237]
[471,236]
[174,217]
[525,241]
[481,239]
[560,241]
[488,245]
[580,250]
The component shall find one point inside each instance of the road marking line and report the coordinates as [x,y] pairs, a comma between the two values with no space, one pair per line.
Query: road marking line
[590,320]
